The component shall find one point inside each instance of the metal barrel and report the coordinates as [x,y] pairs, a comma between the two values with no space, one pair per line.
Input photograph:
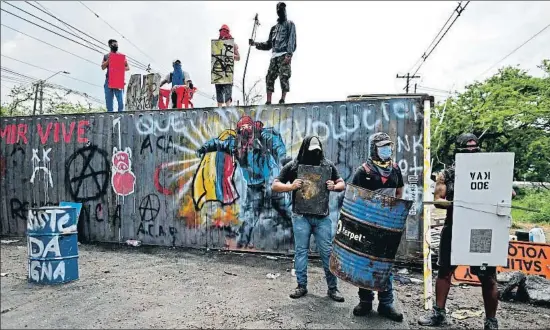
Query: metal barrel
[367,237]
[52,241]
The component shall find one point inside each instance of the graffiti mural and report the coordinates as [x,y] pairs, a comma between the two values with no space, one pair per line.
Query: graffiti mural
[222,61]
[200,177]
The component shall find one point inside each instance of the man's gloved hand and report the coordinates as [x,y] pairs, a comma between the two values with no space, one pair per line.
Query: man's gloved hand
[251,42]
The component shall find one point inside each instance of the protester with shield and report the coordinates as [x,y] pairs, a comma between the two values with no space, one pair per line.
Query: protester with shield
[311,177]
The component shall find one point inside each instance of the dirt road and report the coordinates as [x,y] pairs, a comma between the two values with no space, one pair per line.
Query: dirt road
[148,287]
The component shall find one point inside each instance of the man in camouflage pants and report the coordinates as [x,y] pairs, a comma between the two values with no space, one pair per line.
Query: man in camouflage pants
[282,42]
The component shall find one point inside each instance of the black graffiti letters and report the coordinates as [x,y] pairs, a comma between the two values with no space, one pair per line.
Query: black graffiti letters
[20,209]
[149,229]
[149,208]
[98,214]
[481,180]
[87,174]
[163,143]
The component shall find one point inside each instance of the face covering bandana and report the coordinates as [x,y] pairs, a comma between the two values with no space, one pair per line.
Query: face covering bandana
[114,48]
[385,152]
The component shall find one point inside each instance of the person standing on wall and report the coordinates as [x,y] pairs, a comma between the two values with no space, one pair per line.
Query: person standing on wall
[282,43]
[224,92]
[444,190]
[112,92]
[177,78]
[379,174]
[311,153]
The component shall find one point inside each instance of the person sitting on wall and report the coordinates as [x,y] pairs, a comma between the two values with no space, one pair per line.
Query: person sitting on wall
[379,174]
[112,92]
[224,92]
[311,153]
[177,78]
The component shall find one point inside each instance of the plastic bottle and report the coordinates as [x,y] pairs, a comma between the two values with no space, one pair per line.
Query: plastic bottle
[536,235]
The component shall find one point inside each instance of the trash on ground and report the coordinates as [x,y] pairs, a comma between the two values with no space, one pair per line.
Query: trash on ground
[403,271]
[463,314]
[272,276]
[133,242]
[271,258]
[228,273]
[3,274]
[531,288]
[293,272]
[9,241]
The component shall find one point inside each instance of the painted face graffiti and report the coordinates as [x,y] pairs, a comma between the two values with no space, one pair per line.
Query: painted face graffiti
[123,179]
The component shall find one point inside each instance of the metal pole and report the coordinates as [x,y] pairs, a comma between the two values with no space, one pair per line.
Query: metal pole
[35,99]
[253,37]
[427,214]
[41,96]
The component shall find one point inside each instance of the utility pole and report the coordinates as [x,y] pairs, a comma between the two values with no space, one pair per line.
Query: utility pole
[35,99]
[408,77]
[41,96]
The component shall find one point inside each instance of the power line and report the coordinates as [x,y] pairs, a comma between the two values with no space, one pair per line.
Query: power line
[130,59]
[513,51]
[85,59]
[52,71]
[104,21]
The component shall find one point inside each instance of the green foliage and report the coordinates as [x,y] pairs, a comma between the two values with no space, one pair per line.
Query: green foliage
[510,111]
[22,103]
[534,199]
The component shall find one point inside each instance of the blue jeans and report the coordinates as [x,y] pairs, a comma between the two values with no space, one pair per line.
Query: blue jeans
[109,93]
[303,227]
[385,298]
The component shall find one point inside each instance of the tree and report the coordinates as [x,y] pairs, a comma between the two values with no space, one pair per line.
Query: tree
[54,101]
[253,94]
[509,111]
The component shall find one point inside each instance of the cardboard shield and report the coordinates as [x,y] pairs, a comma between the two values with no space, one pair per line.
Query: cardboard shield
[222,61]
[116,70]
[312,199]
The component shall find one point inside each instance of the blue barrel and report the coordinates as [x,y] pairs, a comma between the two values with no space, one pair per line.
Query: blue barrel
[52,241]
[367,237]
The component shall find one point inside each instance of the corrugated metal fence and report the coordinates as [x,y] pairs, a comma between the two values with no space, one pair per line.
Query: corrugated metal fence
[139,176]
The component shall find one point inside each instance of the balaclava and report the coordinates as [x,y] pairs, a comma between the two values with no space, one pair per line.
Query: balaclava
[281,12]
[113,45]
[310,157]
[225,33]
[246,135]
[462,140]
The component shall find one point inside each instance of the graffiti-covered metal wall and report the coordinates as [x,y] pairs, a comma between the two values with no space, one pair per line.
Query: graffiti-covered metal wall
[184,178]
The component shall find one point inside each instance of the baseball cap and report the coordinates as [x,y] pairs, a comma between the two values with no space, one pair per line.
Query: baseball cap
[314,144]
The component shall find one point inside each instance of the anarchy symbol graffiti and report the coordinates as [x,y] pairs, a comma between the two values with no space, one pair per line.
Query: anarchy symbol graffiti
[149,208]
[87,174]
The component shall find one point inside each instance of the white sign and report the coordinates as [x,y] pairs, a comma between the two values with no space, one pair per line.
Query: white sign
[481,208]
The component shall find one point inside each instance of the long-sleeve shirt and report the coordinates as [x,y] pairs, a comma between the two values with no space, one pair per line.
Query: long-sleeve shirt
[282,39]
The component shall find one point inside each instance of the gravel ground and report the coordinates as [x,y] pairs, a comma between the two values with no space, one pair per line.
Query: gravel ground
[153,287]
[464,297]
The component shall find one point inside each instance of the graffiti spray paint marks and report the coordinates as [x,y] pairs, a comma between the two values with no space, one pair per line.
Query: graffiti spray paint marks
[123,178]
[149,208]
[87,174]
[45,168]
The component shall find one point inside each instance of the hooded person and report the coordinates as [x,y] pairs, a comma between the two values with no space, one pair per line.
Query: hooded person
[224,92]
[177,77]
[110,93]
[282,43]
[382,175]
[444,191]
[310,153]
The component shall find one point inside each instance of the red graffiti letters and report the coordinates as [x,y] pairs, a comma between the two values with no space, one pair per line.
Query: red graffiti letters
[16,133]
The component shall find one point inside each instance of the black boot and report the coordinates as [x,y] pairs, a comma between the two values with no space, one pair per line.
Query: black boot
[490,324]
[335,295]
[390,312]
[281,101]
[362,309]
[436,317]
[300,291]
[268,103]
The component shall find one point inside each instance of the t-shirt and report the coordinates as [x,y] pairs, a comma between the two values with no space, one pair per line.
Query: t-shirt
[289,174]
[373,180]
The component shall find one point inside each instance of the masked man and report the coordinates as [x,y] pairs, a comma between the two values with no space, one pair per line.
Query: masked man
[311,153]
[444,190]
[110,93]
[224,92]
[177,78]
[379,174]
[282,43]
[259,152]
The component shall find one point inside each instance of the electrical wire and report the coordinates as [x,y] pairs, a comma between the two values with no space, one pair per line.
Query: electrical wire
[513,51]
[52,71]
[104,21]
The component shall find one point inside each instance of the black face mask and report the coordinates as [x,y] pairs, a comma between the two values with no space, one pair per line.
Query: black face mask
[469,150]
[313,157]
[114,48]
[281,12]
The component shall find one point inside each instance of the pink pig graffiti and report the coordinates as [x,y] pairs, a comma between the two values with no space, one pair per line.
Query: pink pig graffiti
[123,179]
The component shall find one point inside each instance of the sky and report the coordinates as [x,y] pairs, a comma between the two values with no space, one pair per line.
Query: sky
[343,48]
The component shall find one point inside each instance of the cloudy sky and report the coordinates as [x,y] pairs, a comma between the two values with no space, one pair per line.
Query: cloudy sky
[343,47]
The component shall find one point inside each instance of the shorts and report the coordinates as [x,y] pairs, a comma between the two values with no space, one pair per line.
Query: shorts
[444,260]
[224,93]
[278,68]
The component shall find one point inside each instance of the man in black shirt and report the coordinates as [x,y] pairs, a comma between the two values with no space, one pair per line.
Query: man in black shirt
[311,153]
[379,174]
